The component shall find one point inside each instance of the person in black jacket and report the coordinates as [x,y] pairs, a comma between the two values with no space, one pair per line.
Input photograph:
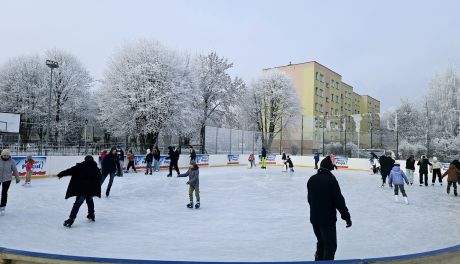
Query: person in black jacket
[325,197]
[410,169]
[173,156]
[156,156]
[192,155]
[423,169]
[456,163]
[84,184]
[149,161]
[386,164]
[264,158]
[120,161]
[109,167]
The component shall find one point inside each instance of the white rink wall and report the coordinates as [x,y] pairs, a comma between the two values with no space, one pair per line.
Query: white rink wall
[55,164]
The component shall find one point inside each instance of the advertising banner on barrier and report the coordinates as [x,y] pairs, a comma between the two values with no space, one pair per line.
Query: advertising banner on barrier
[341,162]
[202,159]
[139,162]
[233,159]
[39,167]
[444,166]
[271,159]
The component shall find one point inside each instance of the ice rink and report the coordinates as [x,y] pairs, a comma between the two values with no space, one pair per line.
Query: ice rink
[246,215]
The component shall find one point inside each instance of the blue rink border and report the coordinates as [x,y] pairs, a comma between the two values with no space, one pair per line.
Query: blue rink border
[133,261]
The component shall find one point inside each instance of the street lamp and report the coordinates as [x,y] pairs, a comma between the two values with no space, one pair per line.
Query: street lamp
[86,146]
[52,65]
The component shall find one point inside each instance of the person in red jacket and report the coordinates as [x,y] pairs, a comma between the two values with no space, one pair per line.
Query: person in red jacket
[29,169]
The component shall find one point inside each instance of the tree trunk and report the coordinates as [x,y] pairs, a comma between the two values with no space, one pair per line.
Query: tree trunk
[203,138]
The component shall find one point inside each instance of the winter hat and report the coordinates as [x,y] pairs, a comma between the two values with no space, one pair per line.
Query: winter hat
[326,163]
[29,157]
[6,152]
[148,151]
[89,158]
[435,159]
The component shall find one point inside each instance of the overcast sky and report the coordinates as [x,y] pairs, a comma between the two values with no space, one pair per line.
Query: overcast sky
[387,49]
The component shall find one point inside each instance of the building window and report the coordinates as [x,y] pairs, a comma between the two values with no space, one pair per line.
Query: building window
[317,76]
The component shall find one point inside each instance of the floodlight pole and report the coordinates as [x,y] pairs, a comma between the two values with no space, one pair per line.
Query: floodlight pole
[52,65]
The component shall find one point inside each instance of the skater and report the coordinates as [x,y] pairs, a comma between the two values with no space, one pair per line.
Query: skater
[29,170]
[316,157]
[156,157]
[410,169]
[130,157]
[452,177]
[397,177]
[283,158]
[102,156]
[192,155]
[332,156]
[173,156]
[194,184]
[251,160]
[120,161]
[84,185]
[436,171]
[386,164]
[7,169]
[149,161]
[373,160]
[423,169]
[373,166]
[109,167]
[264,158]
[325,197]
[290,164]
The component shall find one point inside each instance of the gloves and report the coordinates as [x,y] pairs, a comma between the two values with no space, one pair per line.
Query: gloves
[348,223]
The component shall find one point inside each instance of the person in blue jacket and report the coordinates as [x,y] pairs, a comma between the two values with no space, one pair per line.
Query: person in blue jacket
[397,178]
[316,157]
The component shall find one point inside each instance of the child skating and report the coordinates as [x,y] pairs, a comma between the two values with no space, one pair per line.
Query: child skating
[29,170]
[397,178]
[194,184]
[452,177]
[251,159]
[289,164]
[436,171]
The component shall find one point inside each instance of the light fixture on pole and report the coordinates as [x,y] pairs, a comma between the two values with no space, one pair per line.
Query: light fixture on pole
[52,65]
[86,146]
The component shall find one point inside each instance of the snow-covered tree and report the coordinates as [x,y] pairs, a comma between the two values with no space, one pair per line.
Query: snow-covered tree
[218,94]
[146,90]
[273,104]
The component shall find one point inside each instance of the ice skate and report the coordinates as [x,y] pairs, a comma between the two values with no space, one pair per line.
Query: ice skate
[197,205]
[190,205]
[396,198]
[169,175]
[69,222]
[91,217]
[2,211]
[406,200]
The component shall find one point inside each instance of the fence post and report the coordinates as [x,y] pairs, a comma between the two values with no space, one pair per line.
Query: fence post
[242,141]
[253,141]
[281,136]
[230,141]
[217,133]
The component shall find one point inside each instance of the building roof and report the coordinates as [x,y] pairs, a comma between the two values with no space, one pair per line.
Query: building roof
[371,97]
[307,62]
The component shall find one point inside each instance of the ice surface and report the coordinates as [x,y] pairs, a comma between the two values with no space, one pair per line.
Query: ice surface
[246,215]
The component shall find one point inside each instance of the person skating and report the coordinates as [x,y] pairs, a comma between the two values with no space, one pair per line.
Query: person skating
[251,160]
[316,158]
[452,177]
[333,160]
[436,171]
[84,185]
[423,170]
[284,158]
[264,158]
[397,178]
[109,167]
[130,158]
[289,164]
[7,169]
[373,161]
[29,169]
[173,156]
[386,164]
[410,169]
[120,162]
[192,155]
[148,162]
[102,156]
[325,197]
[156,157]
[194,184]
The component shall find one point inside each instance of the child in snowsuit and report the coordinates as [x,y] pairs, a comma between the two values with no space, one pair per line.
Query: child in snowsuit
[283,158]
[290,164]
[397,178]
[251,160]
[436,167]
[29,169]
[194,184]
[130,162]
[84,184]
[452,177]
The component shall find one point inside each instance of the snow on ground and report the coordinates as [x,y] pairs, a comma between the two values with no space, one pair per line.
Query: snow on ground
[246,215]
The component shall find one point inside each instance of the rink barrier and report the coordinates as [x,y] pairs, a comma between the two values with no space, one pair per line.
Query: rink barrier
[450,255]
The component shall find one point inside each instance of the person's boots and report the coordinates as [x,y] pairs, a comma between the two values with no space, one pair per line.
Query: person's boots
[197,205]
[396,198]
[91,217]
[406,200]
[190,205]
[2,210]
[69,222]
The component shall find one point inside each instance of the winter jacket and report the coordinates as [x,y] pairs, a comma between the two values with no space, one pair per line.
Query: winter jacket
[437,165]
[193,155]
[386,164]
[109,164]
[194,176]
[423,165]
[156,154]
[325,197]
[121,156]
[397,176]
[130,157]
[149,157]
[8,169]
[410,164]
[251,157]
[264,153]
[289,162]
[452,173]
[173,155]
[86,179]
[102,155]
[284,156]
[316,157]
[29,165]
